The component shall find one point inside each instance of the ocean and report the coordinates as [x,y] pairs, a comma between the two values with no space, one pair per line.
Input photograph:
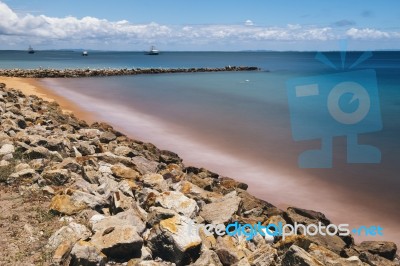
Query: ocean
[239,124]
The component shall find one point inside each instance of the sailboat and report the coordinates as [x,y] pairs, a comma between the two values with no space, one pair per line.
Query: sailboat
[153,51]
[30,50]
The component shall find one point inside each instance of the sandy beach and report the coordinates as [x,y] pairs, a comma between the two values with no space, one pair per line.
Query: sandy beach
[31,86]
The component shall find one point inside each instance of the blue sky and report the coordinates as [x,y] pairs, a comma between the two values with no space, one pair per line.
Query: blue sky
[200,25]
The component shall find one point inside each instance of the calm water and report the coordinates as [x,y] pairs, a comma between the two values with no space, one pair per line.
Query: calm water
[239,123]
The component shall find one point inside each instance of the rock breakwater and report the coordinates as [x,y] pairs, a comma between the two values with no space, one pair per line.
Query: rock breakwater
[76,73]
[125,202]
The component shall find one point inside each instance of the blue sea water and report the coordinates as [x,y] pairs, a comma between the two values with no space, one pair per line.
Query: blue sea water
[238,123]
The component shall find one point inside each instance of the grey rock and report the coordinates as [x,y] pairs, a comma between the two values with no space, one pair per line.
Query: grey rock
[144,165]
[72,233]
[222,210]
[86,254]
[7,149]
[297,256]
[56,177]
[384,249]
[100,223]
[106,137]
[227,250]
[93,201]
[207,257]
[178,202]
[118,241]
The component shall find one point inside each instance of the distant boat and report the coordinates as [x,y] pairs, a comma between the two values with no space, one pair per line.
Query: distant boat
[153,51]
[30,50]
[85,53]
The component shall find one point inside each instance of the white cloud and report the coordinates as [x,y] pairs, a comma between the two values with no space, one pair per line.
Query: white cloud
[92,32]
[248,23]
[369,34]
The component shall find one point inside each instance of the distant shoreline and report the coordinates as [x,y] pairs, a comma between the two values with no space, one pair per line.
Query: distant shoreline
[87,72]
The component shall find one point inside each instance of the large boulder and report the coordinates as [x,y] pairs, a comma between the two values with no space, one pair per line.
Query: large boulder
[56,177]
[123,172]
[120,242]
[207,257]
[384,249]
[297,256]
[99,222]
[71,233]
[222,210]
[85,253]
[178,202]
[7,149]
[228,251]
[173,240]
[304,216]
[65,205]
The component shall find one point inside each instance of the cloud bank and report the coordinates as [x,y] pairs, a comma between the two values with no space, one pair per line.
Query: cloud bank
[93,32]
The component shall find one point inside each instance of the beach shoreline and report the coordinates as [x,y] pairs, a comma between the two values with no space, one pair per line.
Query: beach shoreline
[33,86]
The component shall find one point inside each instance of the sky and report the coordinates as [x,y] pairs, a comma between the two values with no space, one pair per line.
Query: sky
[178,25]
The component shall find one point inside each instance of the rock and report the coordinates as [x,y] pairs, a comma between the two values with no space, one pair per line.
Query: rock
[375,260]
[124,151]
[26,173]
[265,255]
[227,251]
[21,167]
[254,207]
[99,223]
[37,153]
[90,174]
[106,137]
[329,258]
[169,157]
[86,254]
[384,249]
[7,149]
[64,205]
[123,172]
[333,243]
[85,199]
[306,217]
[90,133]
[207,257]
[120,202]
[298,256]
[120,242]
[157,214]
[86,149]
[56,177]
[69,164]
[61,254]
[155,181]
[222,210]
[144,165]
[71,233]
[178,202]
[173,240]
[127,187]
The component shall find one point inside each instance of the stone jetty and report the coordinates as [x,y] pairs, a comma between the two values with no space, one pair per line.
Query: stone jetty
[93,196]
[87,72]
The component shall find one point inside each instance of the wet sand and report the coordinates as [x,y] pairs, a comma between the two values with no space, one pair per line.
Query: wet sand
[281,188]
